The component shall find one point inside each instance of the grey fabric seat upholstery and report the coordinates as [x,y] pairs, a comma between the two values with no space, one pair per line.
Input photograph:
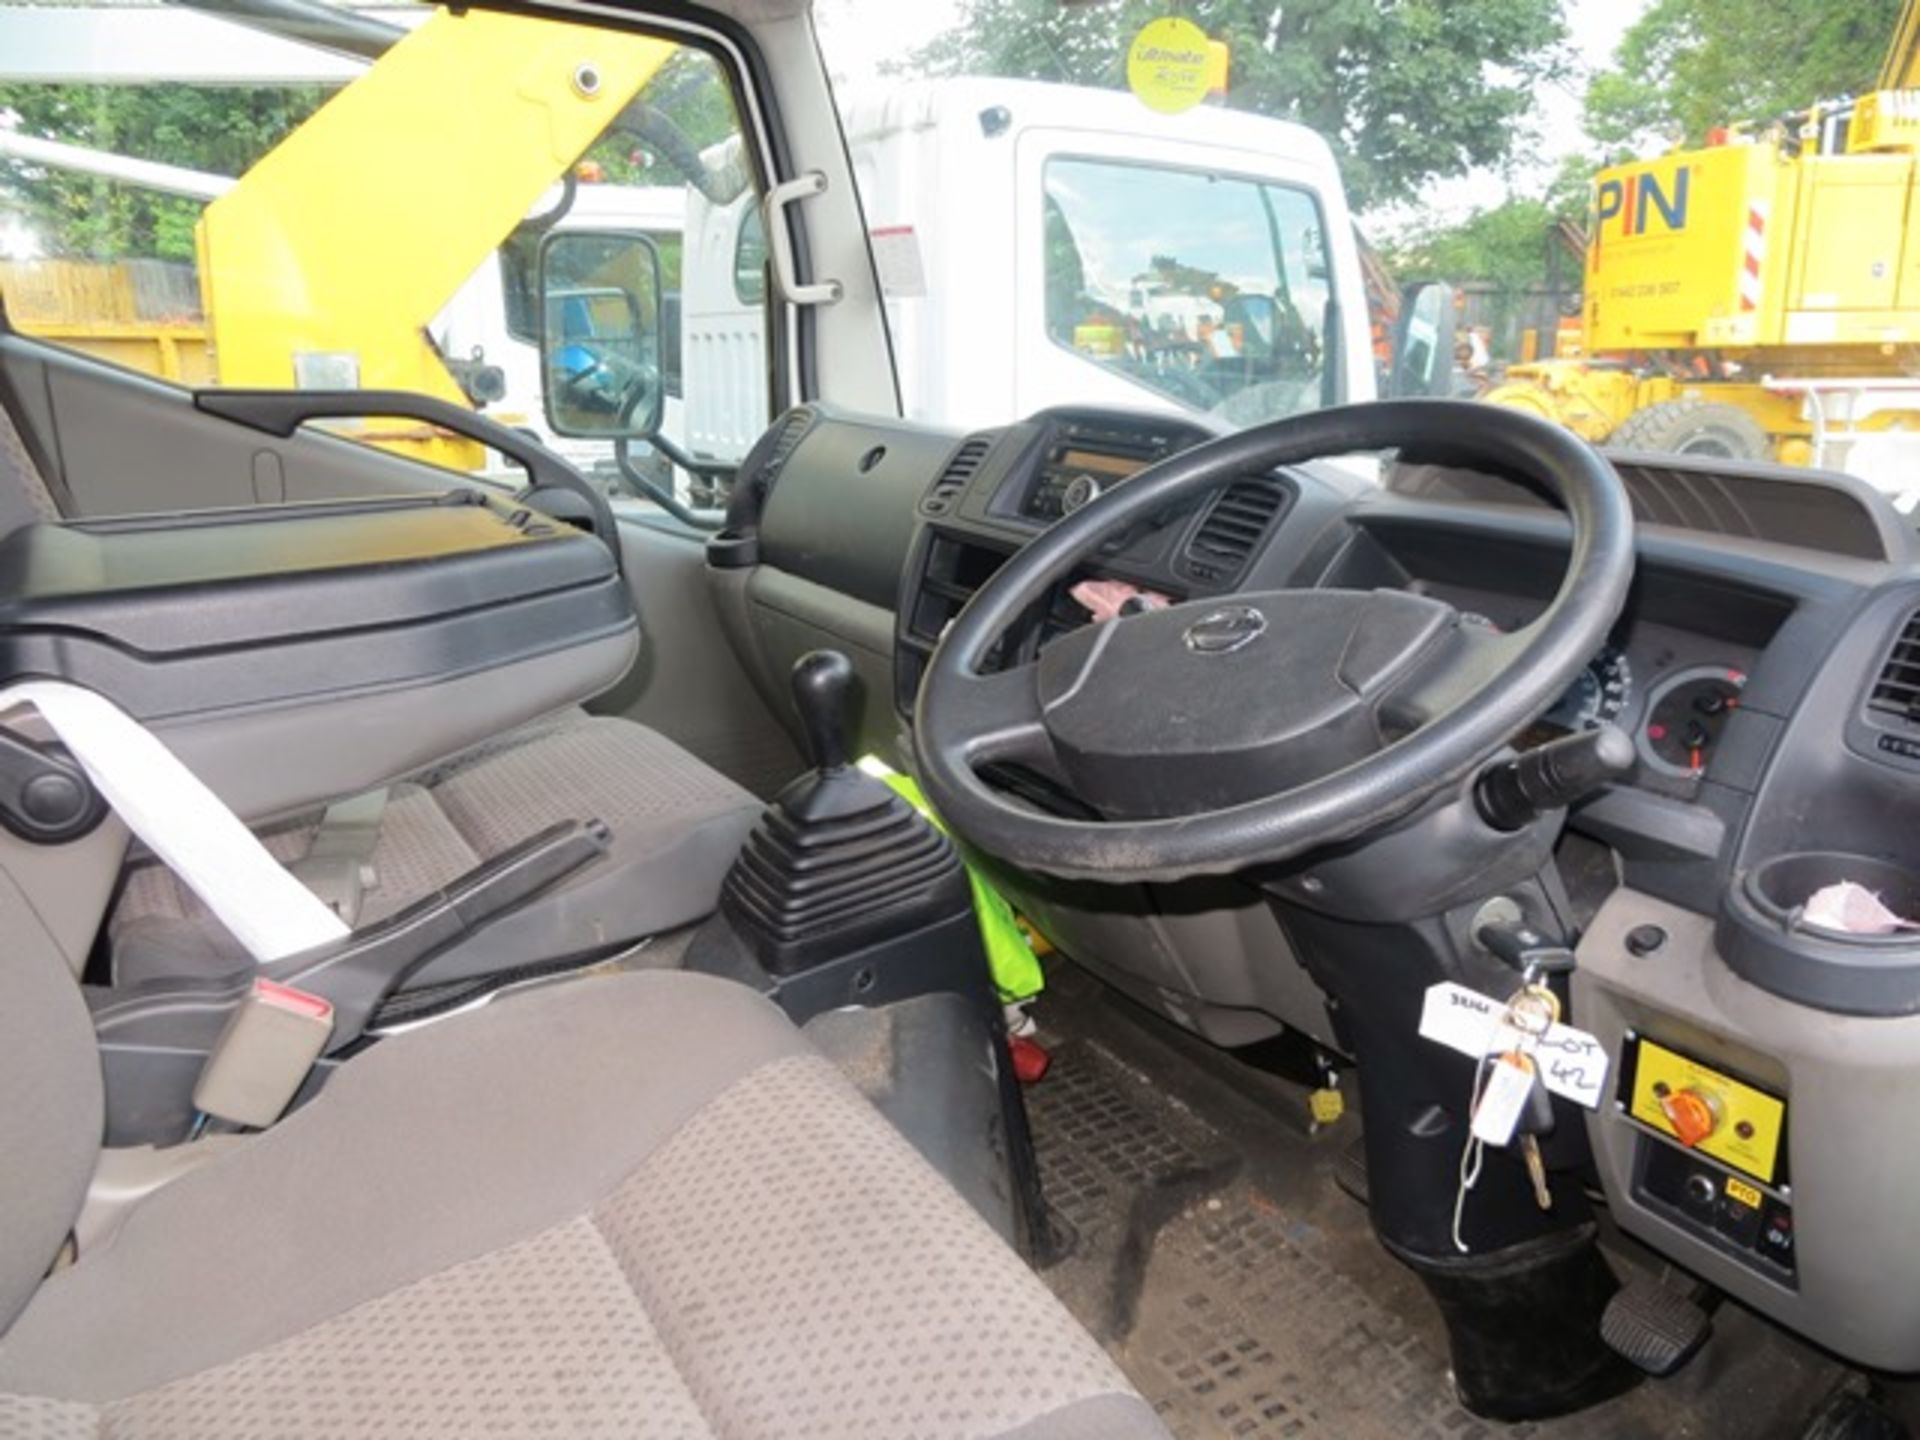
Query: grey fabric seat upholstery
[676,826]
[634,1205]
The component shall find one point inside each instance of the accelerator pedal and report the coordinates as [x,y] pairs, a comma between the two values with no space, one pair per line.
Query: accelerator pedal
[1653,1327]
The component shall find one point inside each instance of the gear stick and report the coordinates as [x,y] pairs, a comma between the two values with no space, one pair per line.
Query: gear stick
[822,686]
[839,861]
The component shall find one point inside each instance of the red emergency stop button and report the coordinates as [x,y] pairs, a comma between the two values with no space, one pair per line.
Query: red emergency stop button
[1692,1115]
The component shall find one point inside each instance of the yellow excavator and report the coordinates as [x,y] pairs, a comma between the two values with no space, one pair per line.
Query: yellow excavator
[1758,297]
[323,265]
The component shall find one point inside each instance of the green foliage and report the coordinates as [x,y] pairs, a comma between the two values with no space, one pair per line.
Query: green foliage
[1505,245]
[1686,66]
[1511,245]
[221,131]
[1406,90]
[691,92]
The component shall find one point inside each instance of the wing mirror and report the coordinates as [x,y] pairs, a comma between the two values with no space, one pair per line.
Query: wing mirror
[602,318]
[1423,342]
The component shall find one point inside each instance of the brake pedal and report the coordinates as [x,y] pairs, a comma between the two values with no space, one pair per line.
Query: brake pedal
[1653,1327]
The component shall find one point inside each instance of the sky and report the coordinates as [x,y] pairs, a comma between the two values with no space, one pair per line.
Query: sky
[860,35]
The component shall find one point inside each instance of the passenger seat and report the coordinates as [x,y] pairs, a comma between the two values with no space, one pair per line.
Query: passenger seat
[675,826]
[634,1205]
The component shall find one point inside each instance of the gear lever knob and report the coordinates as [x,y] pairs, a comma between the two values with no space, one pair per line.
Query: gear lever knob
[822,684]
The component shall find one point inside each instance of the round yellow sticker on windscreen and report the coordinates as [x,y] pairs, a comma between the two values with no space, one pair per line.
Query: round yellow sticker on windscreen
[1167,65]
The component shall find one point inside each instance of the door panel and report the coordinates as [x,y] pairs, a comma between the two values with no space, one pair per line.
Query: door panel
[688,682]
[115,442]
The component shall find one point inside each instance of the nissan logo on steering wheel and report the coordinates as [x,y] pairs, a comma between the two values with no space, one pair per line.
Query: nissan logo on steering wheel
[1221,632]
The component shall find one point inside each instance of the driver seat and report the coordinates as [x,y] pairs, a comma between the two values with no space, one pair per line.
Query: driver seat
[634,1205]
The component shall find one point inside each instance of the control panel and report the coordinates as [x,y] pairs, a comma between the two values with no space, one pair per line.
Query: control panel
[1711,1155]
[1085,456]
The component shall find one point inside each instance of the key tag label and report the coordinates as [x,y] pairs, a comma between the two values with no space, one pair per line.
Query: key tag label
[1573,1064]
[1510,1080]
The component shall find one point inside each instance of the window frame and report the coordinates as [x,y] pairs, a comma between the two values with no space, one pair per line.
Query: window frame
[789,349]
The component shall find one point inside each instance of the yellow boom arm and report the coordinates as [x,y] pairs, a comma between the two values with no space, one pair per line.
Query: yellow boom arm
[1901,69]
[348,238]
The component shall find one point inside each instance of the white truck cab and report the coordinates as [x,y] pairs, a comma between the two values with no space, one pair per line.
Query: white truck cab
[964,182]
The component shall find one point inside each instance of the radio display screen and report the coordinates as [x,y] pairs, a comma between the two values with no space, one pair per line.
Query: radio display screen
[1096,463]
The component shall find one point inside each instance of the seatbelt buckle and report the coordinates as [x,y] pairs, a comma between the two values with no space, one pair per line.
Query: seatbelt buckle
[264,1054]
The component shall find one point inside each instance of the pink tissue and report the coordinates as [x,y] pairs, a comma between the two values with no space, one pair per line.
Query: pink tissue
[1852,909]
[1102,599]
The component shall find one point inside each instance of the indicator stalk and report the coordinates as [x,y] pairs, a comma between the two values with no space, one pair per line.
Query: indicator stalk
[1512,794]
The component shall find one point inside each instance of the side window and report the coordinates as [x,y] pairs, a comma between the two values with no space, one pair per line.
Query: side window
[1209,289]
[383,223]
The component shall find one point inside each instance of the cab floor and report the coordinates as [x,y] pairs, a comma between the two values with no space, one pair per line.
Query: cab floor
[1208,1246]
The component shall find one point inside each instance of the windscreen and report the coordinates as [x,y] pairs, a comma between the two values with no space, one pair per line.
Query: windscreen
[1208,289]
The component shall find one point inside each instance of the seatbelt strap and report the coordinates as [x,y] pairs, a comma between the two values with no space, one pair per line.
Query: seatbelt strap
[183,822]
[338,865]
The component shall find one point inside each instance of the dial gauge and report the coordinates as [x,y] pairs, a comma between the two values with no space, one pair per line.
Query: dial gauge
[1598,696]
[1686,715]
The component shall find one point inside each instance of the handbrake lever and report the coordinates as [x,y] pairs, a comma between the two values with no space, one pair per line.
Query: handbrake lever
[361,971]
[157,1037]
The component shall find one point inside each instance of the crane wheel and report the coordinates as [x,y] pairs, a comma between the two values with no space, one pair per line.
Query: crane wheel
[1693,427]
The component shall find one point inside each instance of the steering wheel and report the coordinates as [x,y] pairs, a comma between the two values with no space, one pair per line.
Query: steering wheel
[1225,733]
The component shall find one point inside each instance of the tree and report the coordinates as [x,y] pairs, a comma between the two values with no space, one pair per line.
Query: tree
[220,131]
[1407,91]
[1514,247]
[1505,245]
[1686,66]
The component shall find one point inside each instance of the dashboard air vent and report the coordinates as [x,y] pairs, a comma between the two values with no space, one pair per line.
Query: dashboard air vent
[955,475]
[1897,692]
[1232,529]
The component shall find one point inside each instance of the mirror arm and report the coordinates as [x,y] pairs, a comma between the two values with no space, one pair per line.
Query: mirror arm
[705,469]
[643,486]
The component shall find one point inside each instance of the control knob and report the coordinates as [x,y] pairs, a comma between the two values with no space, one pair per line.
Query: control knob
[1081,491]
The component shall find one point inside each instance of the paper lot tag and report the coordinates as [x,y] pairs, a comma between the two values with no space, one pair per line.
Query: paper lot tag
[1572,1063]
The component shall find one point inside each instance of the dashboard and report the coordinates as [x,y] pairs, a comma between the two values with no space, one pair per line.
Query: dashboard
[997,490]
[1671,688]
[1767,667]
[1672,676]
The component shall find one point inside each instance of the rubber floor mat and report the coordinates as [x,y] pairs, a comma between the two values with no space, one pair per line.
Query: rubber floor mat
[1207,1245]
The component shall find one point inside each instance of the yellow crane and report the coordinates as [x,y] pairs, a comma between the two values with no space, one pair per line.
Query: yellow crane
[1757,297]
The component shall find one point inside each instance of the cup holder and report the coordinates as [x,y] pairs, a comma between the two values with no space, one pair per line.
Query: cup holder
[1765,936]
[1782,886]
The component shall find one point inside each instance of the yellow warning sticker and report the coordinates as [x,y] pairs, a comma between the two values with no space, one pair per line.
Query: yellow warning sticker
[1747,1195]
[1746,1123]
[1168,65]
